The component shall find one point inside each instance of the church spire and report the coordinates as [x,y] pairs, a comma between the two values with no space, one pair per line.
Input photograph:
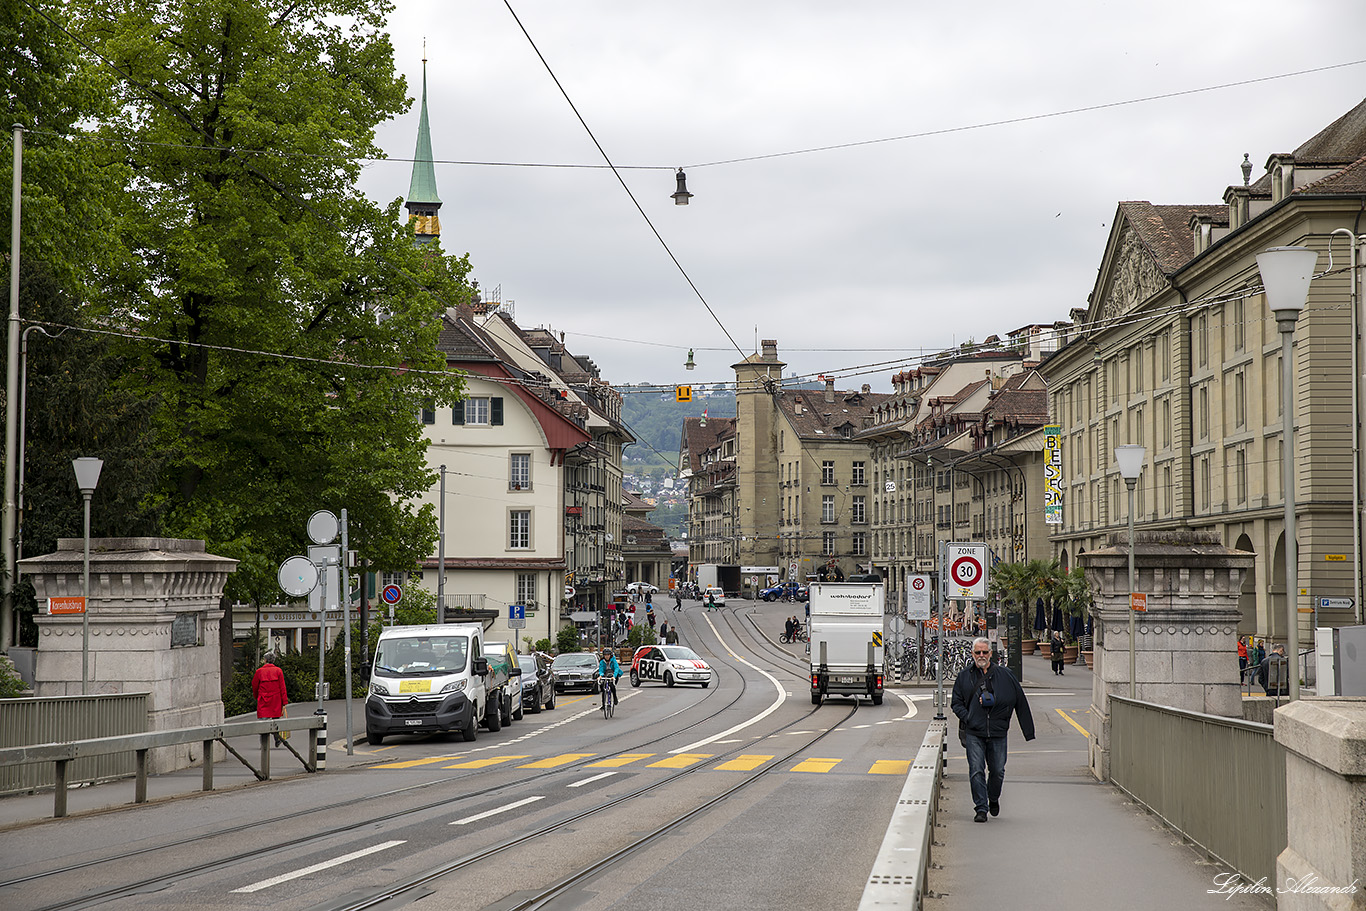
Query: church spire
[423,203]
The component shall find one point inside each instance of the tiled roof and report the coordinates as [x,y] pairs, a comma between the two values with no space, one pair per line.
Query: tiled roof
[1341,142]
[1165,230]
[818,419]
[1351,179]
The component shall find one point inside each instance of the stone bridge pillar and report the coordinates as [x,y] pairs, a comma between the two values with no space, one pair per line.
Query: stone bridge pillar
[154,610]
[1186,643]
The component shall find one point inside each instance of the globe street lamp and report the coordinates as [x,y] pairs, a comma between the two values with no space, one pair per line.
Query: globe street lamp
[1130,460]
[1286,272]
[87,479]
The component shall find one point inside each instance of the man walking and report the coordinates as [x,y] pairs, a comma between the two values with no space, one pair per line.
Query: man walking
[985,695]
[678,598]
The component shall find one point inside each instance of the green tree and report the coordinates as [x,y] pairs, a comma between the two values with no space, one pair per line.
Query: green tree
[287,327]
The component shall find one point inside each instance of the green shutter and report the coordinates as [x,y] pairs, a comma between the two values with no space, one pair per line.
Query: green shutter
[458,413]
[496,410]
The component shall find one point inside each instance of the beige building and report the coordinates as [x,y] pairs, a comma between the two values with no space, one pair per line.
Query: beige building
[1179,353]
[706,460]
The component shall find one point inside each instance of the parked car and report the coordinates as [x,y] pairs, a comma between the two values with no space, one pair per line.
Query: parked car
[669,664]
[538,686]
[575,671]
[719,593]
[794,591]
[505,653]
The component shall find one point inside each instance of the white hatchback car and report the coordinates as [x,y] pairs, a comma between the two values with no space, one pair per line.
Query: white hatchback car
[669,664]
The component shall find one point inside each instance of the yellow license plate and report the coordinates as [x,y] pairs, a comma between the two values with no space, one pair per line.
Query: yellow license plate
[414,686]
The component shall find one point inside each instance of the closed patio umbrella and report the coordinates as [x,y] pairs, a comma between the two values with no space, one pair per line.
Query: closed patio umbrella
[1058,623]
[1040,624]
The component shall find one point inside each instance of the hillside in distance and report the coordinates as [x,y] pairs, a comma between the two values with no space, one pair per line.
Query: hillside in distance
[656,421]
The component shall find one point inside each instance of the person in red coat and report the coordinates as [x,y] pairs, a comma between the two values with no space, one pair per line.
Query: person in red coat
[268,686]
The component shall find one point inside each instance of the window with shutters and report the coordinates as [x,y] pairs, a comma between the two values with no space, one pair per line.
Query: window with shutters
[479,411]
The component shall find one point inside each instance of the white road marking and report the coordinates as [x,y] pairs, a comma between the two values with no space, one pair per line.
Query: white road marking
[778,687]
[336,861]
[579,784]
[910,704]
[512,806]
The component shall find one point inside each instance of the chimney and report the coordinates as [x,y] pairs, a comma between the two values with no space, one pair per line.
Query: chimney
[867,389]
[829,389]
[770,346]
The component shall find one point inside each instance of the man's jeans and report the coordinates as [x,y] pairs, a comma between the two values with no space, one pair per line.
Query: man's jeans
[986,754]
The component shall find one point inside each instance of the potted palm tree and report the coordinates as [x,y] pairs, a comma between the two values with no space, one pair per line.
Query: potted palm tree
[1010,585]
[1077,599]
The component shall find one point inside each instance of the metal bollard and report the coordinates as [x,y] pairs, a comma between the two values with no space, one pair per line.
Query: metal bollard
[320,754]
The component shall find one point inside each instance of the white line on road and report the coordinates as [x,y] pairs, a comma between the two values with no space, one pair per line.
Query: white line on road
[782,695]
[579,784]
[512,806]
[286,877]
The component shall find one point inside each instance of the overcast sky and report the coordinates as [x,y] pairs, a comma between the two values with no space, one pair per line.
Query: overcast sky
[851,256]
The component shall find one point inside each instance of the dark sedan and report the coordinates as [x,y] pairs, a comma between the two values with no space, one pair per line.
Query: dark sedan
[538,686]
[792,591]
[575,671]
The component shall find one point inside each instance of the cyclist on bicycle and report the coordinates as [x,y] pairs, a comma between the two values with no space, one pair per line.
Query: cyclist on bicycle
[609,670]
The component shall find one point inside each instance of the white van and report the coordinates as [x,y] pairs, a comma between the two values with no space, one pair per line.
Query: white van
[428,679]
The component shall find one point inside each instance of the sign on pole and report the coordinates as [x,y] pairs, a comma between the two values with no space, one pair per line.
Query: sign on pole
[917,596]
[1138,601]
[682,393]
[516,616]
[72,605]
[392,594]
[965,571]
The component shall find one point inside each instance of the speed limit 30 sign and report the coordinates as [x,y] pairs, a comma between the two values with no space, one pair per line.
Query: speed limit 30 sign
[965,571]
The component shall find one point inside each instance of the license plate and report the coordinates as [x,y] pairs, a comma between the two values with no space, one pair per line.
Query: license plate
[414,686]
[413,721]
[848,679]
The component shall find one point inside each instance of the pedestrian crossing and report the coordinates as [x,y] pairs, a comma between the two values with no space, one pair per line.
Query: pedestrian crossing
[748,762]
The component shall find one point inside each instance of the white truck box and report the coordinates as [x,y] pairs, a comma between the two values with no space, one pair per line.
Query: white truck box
[846,640]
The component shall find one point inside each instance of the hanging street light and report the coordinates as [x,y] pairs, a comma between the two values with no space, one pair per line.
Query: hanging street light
[681,195]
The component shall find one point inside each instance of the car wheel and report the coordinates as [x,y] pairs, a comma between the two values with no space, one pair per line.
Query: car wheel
[551,704]
[519,712]
[815,698]
[470,730]
[373,738]
[668,678]
[877,699]
[635,678]
[505,709]
[493,715]
[705,684]
[540,699]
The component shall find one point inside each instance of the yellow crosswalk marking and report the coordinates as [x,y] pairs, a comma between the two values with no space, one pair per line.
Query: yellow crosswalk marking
[484,763]
[681,761]
[815,765]
[743,764]
[890,767]
[557,761]
[414,763]
[618,761]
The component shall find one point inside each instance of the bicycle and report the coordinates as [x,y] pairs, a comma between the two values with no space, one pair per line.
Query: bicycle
[609,700]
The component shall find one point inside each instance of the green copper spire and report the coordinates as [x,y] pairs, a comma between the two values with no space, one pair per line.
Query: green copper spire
[423,186]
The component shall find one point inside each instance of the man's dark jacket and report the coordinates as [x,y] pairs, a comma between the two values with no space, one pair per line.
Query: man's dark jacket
[975,718]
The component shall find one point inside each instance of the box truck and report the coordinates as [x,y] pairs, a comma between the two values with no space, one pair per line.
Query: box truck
[846,640]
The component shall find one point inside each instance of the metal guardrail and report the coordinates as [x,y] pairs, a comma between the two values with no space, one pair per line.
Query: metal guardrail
[55,719]
[60,754]
[898,876]
[1218,781]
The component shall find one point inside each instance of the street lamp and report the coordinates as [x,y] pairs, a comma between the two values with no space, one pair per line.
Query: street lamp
[1286,272]
[87,479]
[1130,459]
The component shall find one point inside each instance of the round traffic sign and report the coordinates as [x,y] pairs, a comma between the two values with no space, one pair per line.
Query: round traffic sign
[569,593]
[918,584]
[298,576]
[966,571]
[391,594]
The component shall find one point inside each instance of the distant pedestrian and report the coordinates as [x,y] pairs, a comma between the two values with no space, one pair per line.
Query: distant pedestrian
[268,686]
[663,632]
[673,636]
[1242,658]
[678,599]
[787,629]
[711,600]
[1055,652]
[650,616]
[1274,672]
[985,695]
[648,596]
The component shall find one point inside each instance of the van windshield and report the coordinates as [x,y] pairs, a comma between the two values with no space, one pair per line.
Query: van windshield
[421,656]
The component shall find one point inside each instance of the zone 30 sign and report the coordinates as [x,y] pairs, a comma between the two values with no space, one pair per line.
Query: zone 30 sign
[964,571]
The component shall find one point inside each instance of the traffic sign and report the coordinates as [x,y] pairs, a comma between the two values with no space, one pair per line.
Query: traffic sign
[917,596]
[682,393]
[569,592]
[392,594]
[516,616]
[877,637]
[967,571]
[1337,603]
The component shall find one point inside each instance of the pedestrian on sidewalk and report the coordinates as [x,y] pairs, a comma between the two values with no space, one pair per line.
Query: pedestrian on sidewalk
[268,686]
[1242,658]
[985,695]
[1056,652]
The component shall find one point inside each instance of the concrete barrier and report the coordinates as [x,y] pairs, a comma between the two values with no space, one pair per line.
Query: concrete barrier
[898,876]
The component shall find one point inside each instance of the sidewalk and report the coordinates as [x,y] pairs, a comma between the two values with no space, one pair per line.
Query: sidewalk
[228,773]
[1063,841]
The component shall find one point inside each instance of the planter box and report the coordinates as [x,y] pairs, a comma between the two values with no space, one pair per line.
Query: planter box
[1027,646]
